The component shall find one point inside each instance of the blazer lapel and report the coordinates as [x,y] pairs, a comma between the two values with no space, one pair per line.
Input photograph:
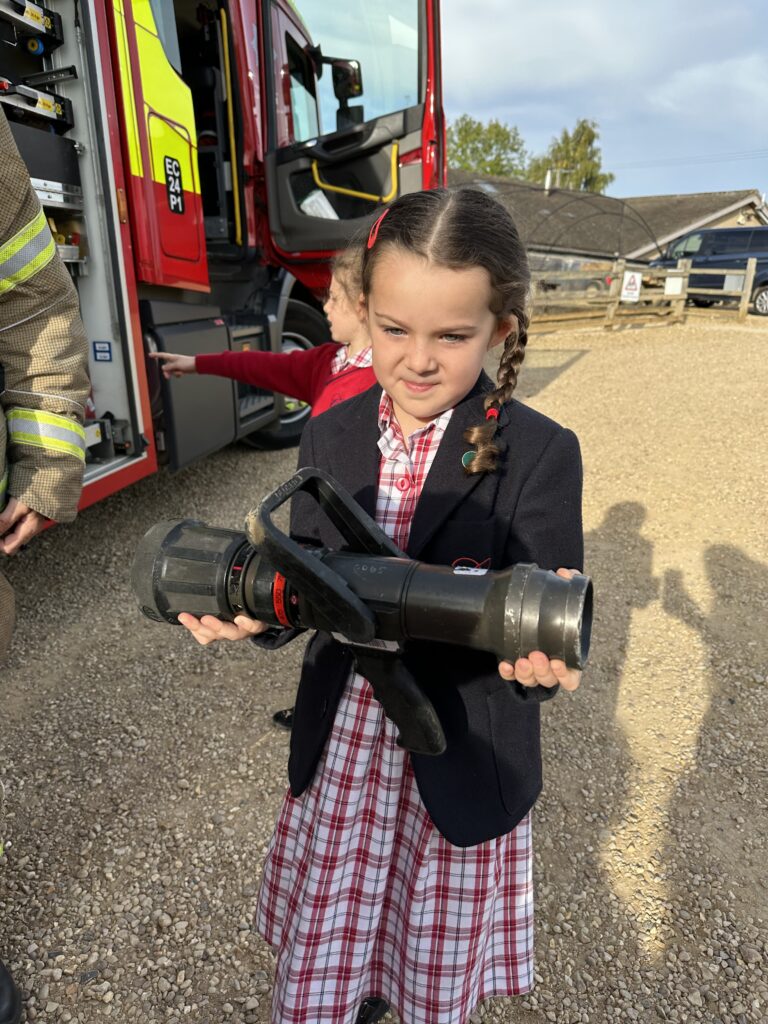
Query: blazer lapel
[447,484]
[353,451]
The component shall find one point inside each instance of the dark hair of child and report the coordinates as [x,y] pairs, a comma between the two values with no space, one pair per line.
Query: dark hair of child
[459,230]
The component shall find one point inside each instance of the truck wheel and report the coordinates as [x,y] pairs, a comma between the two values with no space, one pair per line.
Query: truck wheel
[304,328]
[761,300]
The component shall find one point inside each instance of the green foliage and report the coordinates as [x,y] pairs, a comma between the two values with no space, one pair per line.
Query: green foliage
[497,149]
[576,156]
[493,148]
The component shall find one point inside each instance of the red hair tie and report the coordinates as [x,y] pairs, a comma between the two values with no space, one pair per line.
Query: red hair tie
[374,234]
[492,413]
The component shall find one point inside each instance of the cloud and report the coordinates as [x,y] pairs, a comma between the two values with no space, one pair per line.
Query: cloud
[661,80]
[735,89]
[542,49]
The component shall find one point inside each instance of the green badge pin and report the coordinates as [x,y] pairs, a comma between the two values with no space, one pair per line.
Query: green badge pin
[466,459]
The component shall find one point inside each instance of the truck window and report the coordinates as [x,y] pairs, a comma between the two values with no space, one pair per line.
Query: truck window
[306,123]
[165,22]
[383,38]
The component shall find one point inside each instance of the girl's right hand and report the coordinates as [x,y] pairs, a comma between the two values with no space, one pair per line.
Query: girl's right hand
[209,628]
[174,365]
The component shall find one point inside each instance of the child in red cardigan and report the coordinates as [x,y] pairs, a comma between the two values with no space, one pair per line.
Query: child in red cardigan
[322,376]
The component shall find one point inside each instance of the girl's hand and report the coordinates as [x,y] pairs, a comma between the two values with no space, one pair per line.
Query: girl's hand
[537,669]
[209,628]
[174,365]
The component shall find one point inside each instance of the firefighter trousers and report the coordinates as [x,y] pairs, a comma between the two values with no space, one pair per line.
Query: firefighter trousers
[7,615]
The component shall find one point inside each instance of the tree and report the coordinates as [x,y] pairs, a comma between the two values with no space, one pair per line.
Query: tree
[494,148]
[576,156]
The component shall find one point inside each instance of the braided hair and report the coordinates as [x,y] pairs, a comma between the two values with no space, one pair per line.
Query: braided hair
[458,230]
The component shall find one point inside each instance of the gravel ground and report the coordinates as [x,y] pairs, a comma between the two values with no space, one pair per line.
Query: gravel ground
[140,773]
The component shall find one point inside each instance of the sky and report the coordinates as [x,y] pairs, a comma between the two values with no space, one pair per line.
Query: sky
[679,88]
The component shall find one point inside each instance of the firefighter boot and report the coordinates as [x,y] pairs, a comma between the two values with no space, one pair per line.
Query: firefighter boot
[371,1010]
[10,998]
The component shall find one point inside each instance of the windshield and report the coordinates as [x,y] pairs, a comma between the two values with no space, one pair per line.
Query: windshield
[385,41]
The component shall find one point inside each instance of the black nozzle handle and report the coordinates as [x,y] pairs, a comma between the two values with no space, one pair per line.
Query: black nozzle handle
[403,700]
[323,588]
[361,533]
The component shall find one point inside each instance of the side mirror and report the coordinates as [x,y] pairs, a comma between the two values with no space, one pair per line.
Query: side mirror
[347,80]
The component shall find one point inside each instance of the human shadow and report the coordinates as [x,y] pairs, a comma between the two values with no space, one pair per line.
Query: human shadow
[588,773]
[543,366]
[719,817]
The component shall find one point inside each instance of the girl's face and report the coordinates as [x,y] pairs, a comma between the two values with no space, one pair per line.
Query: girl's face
[342,315]
[431,329]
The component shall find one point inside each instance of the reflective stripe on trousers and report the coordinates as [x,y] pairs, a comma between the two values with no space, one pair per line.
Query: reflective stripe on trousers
[46,430]
[22,256]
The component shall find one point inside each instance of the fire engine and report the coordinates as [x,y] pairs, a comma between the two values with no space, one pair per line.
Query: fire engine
[199,162]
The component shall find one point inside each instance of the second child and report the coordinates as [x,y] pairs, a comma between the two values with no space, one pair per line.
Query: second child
[321,376]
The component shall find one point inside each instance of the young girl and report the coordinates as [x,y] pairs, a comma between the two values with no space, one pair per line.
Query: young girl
[397,878]
[322,376]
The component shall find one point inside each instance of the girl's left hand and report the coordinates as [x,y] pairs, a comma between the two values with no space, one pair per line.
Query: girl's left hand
[537,669]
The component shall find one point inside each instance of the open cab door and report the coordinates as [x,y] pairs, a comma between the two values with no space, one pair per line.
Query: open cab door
[353,115]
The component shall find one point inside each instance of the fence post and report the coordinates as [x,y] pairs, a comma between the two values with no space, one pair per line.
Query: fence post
[679,305]
[617,280]
[746,295]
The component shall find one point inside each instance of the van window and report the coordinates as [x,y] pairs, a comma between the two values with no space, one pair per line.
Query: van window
[759,240]
[686,246]
[724,242]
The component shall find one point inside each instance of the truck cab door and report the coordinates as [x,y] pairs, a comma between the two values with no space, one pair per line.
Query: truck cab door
[354,115]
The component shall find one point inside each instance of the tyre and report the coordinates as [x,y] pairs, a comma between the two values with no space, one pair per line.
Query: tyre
[304,328]
[760,300]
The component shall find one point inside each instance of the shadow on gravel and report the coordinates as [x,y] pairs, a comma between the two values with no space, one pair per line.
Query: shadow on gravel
[588,773]
[543,366]
[725,829]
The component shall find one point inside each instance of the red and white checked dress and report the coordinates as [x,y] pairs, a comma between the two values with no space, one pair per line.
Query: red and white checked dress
[361,895]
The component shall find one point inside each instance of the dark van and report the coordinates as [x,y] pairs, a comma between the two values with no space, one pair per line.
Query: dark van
[729,248]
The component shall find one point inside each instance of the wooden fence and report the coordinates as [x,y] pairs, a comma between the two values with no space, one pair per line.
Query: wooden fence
[594,296]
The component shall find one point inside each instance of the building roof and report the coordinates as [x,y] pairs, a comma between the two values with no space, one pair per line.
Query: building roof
[589,224]
[675,215]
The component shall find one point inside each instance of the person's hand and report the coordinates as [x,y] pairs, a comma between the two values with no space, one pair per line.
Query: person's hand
[174,365]
[18,525]
[537,669]
[208,628]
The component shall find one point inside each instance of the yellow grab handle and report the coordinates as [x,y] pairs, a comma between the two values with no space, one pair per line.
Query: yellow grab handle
[326,187]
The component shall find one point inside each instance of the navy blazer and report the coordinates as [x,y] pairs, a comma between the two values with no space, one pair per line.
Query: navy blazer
[528,510]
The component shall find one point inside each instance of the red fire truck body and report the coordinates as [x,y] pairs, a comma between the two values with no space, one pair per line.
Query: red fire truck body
[200,161]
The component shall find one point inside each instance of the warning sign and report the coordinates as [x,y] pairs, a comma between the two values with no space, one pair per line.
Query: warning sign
[630,286]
